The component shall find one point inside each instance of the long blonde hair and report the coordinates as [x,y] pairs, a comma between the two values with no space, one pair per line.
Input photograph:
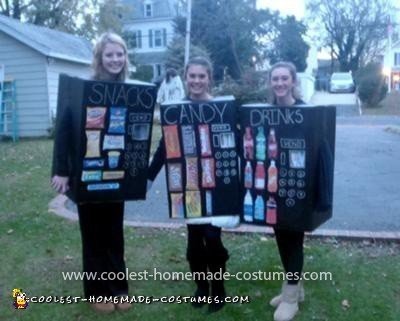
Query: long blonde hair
[99,73]
[293,72]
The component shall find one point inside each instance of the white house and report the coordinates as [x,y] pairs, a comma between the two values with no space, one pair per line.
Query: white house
[392,66]
[150,27]
[33,57]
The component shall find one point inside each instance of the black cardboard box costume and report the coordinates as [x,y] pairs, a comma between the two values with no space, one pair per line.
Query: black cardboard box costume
[287,165]
[102,142]
[103,138]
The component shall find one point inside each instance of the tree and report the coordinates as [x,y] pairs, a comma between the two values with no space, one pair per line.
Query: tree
[230,30]
[289,44]
[354,29]
[175,55]
[87,18]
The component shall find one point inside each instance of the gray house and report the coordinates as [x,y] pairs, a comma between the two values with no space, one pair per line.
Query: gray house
[149,29]
[34,57]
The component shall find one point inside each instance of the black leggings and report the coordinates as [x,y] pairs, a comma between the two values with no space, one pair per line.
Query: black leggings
[103,246]
[290,245]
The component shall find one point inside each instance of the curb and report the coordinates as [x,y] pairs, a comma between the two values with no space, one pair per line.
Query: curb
[57,206]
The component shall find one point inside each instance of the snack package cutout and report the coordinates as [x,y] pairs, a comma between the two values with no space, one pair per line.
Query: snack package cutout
[113,159]
[192,174]
[205,145]
[108,175]
[93,163]
[188,140]
[93,143]
[91,176]
[175,177]
[207,170]
[95,117]
[193,204]
[171,140]
[177,210]
[103,186]
[117,120]
[113,142]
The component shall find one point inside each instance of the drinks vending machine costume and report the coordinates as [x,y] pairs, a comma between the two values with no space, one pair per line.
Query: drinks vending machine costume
[287,164]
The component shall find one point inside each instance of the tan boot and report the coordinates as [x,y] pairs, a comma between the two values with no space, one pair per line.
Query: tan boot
[124,304]
[103,307]
[288,307]
[277,299]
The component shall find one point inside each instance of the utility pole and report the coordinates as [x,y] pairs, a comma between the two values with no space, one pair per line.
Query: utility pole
[188,28]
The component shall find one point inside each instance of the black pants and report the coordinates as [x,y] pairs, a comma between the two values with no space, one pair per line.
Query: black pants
[206,253]
[102,235]
[290,245]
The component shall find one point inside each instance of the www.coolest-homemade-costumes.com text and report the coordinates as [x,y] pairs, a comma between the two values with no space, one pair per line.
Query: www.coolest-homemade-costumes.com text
[110,130]
[287,164]
[202,165]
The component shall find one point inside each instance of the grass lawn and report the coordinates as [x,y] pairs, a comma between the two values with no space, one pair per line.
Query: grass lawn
[36,246]
[389,106]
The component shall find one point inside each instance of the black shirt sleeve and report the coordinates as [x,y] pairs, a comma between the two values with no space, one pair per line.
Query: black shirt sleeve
[157,162]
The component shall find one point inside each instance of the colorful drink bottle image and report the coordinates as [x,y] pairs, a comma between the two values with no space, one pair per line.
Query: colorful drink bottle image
[248,207]
[271,211]
[260,144]
[272,178]
[248,175]
[260,176]
[259,208]
[272,145]
[248,144]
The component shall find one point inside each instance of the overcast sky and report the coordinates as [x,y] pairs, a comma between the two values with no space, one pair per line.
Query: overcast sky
[286,7]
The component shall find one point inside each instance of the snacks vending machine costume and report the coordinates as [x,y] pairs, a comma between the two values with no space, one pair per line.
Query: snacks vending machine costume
[110,126]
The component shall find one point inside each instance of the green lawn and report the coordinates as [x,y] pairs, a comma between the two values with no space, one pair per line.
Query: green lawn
[36,246]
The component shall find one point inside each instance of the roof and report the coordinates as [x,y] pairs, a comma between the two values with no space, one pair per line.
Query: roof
[51,43]
[161,9]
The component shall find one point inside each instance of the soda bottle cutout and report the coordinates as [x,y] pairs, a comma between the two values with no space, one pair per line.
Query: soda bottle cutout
[259,208]
[271,211]
[248,175]
[248,144]
[260,145]
[272,145]
[248,207]
[272,178]
[260,176]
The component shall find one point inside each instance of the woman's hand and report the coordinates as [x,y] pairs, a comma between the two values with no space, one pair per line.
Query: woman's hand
[60,183]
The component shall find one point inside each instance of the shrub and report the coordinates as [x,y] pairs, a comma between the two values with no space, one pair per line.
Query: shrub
[251,88]
[144,73]
[371,85]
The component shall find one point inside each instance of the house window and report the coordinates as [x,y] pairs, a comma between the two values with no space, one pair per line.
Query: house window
[158,38]
[397,58]
[148,9]
[134,39]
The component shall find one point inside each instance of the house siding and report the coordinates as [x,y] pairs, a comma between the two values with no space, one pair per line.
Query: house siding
[54,69]
[28,68]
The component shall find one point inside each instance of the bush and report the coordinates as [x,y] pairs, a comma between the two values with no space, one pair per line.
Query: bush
[371,85]
[144,73]
[251,88]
